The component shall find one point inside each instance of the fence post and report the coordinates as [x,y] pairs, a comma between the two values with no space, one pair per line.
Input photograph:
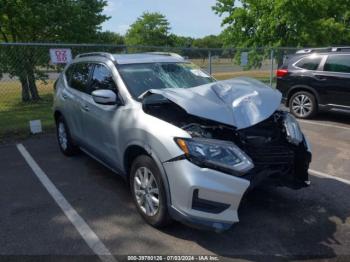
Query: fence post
[271,70]
[209,58]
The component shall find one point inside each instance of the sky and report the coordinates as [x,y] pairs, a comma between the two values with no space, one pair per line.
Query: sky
[193,18]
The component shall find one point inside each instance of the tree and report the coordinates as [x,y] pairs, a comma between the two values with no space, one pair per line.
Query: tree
[181,41]
[284,23]
[210,41]
[151,29]
[43,21]
[108,37]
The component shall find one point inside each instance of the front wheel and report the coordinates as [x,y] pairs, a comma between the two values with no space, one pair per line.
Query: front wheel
[303,105]
[148,191]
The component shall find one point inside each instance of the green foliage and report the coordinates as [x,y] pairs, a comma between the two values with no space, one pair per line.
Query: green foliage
[108,37]
[151,29]
[281,23]
[180,41]
[276,23]
[210,41]
[44,21]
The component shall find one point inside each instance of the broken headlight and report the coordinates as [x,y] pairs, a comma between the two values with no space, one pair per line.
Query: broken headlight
[216,154]
[294,134]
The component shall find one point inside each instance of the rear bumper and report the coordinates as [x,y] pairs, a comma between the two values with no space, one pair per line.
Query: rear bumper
[283,87]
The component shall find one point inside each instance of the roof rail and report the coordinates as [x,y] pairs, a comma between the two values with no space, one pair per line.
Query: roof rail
[324,49]
[341,49]
[167,54]
[103,54]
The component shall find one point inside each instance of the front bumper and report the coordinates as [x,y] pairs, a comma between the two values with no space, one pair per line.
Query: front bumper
[204,197]
[209,199]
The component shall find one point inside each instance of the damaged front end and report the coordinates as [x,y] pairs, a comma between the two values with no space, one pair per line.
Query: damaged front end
[239,131]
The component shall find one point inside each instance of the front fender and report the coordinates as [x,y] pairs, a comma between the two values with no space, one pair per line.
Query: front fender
[155,136]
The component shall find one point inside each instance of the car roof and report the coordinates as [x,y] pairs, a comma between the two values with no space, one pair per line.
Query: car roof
[322,53]
[324,50]
[139,58]
[147,58]
[290,59]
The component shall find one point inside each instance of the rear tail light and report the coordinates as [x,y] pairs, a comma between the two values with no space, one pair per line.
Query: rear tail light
[281,72]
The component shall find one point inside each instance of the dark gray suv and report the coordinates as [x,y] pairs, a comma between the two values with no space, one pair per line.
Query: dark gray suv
[316,79]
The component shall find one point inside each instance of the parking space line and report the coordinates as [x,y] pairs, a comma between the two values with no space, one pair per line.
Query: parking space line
[318,173]
[324,124]
[83,228]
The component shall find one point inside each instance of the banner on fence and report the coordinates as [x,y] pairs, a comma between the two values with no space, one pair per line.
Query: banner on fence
[60,55]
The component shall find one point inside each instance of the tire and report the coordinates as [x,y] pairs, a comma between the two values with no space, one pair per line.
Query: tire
[64,139]
[146,195]
[303,105]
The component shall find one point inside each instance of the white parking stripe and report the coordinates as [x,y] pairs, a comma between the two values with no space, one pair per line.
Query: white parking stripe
[324,124]
[83,228]
[318,173]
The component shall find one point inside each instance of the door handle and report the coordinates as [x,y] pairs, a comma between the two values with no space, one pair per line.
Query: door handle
[86,108]
[320,77]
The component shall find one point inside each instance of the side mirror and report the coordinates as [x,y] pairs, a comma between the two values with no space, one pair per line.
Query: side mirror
[104,97]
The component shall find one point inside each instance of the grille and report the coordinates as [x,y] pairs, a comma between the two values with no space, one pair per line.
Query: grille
[271,155]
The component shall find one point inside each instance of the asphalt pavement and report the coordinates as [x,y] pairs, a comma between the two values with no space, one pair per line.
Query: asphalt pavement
[278,223]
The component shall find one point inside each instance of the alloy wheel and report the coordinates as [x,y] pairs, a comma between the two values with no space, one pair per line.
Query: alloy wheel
[302,105]
[146,191]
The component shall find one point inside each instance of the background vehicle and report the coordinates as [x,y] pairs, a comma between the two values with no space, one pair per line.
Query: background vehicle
[189,146]
[316,79]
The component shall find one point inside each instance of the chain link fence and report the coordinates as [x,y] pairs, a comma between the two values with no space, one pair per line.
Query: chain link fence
[27,74]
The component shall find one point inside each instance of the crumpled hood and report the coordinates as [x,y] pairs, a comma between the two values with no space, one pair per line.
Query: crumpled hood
[239,102]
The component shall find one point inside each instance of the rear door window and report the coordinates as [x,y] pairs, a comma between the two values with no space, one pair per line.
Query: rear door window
[80,77]
[309,62]
[338,63]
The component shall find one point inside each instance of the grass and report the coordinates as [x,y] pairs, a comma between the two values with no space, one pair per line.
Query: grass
[205,61]
[15,115]
[263,76]
[257,74]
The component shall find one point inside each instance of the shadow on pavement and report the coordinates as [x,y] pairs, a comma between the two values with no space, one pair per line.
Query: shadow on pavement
[276,223]
[281,223]
[312,222]
[341,118]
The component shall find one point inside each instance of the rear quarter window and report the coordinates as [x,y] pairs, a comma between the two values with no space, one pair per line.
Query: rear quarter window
[338,63]
[309,62]
[68,73]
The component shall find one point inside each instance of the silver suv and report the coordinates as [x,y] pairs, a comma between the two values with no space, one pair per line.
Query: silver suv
[188,145]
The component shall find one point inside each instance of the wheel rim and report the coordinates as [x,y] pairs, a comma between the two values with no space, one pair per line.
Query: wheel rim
[302,105]
[146,191]
[62,136]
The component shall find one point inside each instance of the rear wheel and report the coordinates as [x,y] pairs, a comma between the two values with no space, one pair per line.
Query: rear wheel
[303,105]
[64,138]
[148,191]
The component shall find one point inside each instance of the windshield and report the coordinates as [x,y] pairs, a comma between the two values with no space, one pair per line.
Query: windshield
[141,77]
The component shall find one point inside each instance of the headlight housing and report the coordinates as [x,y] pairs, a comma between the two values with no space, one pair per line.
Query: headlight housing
[294,134]
[216,154]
